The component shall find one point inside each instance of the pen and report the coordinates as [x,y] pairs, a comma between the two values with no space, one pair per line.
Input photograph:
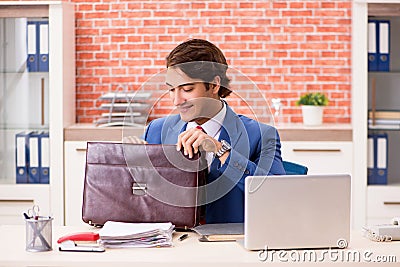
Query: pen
[183,237]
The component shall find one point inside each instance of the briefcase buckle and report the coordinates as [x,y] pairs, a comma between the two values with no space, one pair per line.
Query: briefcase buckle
[139,189]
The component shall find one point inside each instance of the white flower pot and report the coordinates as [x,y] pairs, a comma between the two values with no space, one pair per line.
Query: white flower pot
[312,115]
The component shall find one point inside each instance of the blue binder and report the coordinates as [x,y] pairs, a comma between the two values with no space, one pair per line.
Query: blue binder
[43,35]
[32,62]
[22,157]
[44,158]
[377,158]
[372,46]
[383,27]
[34,154]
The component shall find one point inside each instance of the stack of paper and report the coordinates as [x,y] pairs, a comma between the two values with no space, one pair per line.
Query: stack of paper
[119,234]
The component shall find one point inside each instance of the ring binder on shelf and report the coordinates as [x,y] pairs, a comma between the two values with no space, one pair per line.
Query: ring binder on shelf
[34,154]
[22,157]
[384,45]
[377,158]
[44,158]
[32,59]
[378,45]
[38,46]
[43,46]
[372,51]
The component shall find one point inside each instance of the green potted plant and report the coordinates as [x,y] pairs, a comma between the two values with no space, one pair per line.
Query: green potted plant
[312,105]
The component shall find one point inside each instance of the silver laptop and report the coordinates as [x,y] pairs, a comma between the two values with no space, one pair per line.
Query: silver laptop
[297,211]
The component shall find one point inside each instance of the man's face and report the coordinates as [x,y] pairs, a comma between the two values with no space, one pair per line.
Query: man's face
[190,96]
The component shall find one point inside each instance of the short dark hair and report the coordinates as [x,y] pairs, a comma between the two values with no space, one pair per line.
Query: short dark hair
[204,55]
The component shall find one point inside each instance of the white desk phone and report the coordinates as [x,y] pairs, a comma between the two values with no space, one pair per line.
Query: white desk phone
[384,232]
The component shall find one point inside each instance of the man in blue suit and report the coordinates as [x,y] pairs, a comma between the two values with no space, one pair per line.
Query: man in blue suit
[236,146]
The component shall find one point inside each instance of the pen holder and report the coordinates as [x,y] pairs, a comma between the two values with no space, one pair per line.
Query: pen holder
[39,234]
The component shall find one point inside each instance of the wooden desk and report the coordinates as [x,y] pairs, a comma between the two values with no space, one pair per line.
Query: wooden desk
[189,252]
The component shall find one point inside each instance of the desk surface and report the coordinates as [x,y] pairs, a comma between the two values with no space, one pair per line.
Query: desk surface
[189,252]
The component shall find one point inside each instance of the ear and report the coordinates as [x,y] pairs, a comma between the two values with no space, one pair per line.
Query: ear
[216,84]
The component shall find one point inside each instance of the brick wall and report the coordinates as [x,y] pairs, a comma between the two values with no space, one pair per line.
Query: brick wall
[286,47]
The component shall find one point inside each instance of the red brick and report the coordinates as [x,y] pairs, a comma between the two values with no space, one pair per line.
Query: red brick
[328,4]
[298,38]
[90,80]
[280,54]
[166,13]
[314,46]
[118,23]
[295,79]
[328,54]
[135,14]
[84,40]
[85,7]
[295,5]
[297,13]
[101,23]
[102,72]
[118,39]
[278,70]
[103,7]
[313,5]
[217,29]
[85,72]
[332,29]
[101,15]
[102,55]
[134,6]
[298,29]
[330,13]
[278,5]
[87,47]
[198,5]
[215,13]
[296,54]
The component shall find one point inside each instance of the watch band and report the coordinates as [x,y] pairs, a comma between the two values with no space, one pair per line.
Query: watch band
[225,148]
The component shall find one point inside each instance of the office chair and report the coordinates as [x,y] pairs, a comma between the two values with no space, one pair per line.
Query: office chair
[292,168]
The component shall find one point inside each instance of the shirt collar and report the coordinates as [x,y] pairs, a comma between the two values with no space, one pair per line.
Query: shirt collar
[213,125]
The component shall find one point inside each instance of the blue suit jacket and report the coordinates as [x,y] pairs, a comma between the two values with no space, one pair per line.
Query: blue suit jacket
[255,151]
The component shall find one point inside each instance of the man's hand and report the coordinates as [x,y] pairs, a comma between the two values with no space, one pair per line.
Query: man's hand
[193,139]
[133,140]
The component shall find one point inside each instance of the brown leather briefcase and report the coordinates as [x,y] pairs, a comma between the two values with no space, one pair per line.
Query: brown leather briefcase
[142,183]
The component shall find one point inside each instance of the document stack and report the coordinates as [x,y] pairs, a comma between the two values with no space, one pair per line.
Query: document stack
[384,120]
[136,235]
[124,108]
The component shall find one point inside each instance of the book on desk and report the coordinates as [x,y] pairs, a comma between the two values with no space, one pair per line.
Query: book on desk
[220,232]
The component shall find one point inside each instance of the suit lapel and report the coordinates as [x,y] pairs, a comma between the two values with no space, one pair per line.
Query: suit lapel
[232,128]
[173,128]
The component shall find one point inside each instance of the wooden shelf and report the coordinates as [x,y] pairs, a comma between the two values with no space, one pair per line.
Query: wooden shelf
[383,9]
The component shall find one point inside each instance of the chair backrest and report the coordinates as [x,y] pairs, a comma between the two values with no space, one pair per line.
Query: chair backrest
[292,168]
